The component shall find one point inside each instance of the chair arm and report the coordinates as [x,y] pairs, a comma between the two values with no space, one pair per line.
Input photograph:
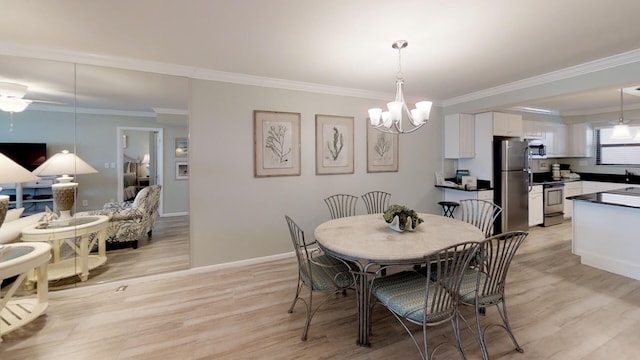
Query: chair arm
[118,205]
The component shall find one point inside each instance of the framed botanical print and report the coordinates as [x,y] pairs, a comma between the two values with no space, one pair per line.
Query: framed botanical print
[382,150]
[334,144]
[276,143]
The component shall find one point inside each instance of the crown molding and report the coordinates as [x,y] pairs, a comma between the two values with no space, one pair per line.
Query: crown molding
[625,58]
[45,53]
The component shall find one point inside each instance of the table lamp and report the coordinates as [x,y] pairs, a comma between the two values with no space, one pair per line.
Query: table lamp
[64,191]
[11,172]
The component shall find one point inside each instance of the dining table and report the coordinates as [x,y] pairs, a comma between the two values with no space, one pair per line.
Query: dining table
[368,242]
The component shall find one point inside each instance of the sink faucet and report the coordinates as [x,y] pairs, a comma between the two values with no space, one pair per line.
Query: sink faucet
[627,172]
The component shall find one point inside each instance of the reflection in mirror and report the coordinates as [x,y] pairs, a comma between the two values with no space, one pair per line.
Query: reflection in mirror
[89,110]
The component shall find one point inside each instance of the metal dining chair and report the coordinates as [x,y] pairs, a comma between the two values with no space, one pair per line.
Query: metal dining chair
[317,272]
[428,296]
[483,284]
[480,213]
[341,205]
[376,202]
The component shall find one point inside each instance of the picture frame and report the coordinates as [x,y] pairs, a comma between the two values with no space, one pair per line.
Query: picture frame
[182,170]
[276,143]
[382,150]
[182,147]
[334,144]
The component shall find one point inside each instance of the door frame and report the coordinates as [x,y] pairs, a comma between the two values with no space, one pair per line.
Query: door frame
[160,159]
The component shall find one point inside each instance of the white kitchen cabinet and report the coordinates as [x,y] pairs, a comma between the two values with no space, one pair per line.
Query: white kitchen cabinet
[533,129]
[571,188]
[580,140]
[459,136]
[536,210]
[556,140]
[505,124]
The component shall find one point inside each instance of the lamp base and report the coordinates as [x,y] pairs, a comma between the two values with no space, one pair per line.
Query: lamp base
[64,196]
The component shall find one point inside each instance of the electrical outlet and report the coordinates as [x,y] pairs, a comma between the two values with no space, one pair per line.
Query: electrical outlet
[113,165]
[106,165]
[85,203]
[582,162]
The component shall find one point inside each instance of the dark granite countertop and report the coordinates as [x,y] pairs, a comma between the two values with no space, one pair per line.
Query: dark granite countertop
[462,189]
[628,197]
[614,178]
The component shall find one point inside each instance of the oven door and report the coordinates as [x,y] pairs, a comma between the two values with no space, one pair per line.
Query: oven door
[553,198]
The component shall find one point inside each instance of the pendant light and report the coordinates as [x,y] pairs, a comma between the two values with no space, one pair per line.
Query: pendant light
[621,130]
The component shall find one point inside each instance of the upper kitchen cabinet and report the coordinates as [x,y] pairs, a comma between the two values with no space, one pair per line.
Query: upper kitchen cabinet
[580,140]
[459,135]
[509,125]
[533,129]
[556,140]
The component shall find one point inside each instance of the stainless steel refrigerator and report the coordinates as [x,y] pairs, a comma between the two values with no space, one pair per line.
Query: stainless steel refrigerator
[512,180]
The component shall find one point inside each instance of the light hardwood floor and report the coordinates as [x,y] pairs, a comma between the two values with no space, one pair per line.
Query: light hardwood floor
[559,310]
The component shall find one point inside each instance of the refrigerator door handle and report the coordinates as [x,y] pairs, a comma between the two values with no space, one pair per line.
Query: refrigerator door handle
[527,167]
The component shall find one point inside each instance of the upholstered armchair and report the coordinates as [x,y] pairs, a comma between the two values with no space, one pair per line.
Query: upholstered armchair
[129,221]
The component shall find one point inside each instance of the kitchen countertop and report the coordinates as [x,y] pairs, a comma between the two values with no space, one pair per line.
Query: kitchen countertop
[462,189]
[627,197]
[614,178]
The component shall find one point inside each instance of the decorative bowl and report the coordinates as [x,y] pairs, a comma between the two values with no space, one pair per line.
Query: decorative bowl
[401,218]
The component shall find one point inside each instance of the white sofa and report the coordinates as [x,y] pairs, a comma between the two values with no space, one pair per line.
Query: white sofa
[13,224]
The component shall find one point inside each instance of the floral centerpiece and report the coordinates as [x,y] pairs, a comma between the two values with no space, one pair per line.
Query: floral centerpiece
[401,218]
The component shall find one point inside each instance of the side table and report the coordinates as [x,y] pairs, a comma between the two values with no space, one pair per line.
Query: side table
[21,259]
[74,232]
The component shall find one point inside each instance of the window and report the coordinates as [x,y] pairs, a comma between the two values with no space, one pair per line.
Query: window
[617,152]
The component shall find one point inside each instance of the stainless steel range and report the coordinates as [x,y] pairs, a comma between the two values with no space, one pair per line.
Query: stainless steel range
[553,203]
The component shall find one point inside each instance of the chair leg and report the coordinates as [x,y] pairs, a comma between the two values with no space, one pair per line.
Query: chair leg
[295,298]
[134,245]
[507,326]
[310,314]
[483,346]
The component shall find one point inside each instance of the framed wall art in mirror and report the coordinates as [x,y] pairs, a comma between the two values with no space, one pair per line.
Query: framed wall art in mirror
[182,147]
[334,144]
[276,143]
[382,150]
[182,170]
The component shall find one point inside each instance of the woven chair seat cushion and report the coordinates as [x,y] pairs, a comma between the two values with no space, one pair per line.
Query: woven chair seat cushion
[404,293]
[468,289]
[328,273]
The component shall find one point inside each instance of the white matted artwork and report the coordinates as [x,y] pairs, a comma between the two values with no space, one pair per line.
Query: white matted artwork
[382,150]
[334,144]
[277,143]
[182,170]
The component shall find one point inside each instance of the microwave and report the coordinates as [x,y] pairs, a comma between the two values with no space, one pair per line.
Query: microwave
[537,150]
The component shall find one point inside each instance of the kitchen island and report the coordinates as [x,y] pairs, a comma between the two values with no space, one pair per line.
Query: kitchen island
[605,230]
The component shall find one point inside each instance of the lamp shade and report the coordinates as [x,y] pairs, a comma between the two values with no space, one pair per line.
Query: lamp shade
[64,163]
[13,105]
[621,132]
[11,172]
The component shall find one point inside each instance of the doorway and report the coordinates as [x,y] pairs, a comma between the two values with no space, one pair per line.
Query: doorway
[139,161]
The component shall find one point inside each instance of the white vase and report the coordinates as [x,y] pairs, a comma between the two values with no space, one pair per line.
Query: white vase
[395,224]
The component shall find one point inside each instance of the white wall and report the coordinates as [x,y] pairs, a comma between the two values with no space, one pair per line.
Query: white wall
[236,216]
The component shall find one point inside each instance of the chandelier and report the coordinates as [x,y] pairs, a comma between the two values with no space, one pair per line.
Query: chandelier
[391,121]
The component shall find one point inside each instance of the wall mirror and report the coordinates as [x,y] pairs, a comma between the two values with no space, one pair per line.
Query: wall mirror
[124,124]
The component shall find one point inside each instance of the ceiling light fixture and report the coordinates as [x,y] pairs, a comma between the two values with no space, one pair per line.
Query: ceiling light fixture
[621,130]
[391,121]
[11,97]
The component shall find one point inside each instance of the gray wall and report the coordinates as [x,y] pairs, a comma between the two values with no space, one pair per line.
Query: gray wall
[235,216]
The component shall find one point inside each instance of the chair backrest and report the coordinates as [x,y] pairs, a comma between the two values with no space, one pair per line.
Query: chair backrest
[376,201]
[300,247]
[147,202]
[480,213]
[496,253]
[341,205]
[445,269]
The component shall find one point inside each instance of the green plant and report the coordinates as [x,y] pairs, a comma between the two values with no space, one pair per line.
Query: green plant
[338,144]
[402,212]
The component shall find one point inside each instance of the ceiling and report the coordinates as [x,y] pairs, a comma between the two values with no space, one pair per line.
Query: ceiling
[456,48]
